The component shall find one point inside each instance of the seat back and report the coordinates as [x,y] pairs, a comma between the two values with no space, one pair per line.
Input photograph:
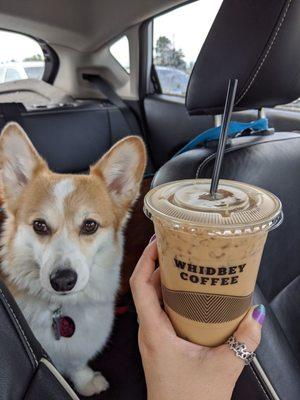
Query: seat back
[73,136]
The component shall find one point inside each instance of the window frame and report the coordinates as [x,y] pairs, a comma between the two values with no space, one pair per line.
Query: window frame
[51,58]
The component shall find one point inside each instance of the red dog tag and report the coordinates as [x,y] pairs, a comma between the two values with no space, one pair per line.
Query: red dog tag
[66,327]
[63,326]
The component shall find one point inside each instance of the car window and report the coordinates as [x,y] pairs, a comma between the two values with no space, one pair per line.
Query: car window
[21,57]
[120,51]
[35,71]
[177,39]
[12,74]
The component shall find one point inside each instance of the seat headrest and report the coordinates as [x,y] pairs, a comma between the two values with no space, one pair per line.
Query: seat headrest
[256,42]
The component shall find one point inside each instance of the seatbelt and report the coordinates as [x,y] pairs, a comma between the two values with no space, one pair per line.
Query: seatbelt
[12,112]
[105,88]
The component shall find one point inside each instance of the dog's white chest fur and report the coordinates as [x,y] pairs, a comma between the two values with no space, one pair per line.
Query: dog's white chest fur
[93,324]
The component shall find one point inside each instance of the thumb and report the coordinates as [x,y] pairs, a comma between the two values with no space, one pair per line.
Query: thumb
[249,330]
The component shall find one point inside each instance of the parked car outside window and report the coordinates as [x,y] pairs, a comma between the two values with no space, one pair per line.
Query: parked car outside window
[175,47]
[21,57]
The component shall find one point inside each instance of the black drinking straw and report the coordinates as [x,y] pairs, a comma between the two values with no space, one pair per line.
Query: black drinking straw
[232,85]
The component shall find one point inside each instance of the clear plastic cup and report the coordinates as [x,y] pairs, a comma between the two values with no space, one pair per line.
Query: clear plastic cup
[210,252]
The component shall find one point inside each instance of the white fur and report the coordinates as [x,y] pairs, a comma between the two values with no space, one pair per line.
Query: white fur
[61,190]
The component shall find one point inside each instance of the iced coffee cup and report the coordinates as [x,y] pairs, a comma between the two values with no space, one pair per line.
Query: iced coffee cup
[209,252]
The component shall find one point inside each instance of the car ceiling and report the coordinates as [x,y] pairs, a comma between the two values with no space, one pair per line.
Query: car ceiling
[83,25]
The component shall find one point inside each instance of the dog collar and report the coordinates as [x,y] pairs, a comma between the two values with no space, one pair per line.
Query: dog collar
[62,325]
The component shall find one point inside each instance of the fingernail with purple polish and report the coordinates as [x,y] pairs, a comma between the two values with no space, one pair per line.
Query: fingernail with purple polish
[152,238]
[259,314]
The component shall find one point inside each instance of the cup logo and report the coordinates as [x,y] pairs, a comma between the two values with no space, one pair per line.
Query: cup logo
[213,276]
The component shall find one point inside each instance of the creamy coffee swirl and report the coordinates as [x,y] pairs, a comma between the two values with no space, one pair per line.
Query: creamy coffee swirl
[209,252]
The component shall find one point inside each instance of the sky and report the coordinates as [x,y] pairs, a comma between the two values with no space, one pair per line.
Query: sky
[16,47]
[187,26]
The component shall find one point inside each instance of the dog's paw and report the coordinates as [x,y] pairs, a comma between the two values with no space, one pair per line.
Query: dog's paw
[95,386]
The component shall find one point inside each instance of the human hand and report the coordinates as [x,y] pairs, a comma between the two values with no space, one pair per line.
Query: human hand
[176,369]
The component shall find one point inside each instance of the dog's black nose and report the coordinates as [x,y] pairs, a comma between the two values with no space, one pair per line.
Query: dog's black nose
[63,280]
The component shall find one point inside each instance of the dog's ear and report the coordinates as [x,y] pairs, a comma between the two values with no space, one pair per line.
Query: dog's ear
[18,160]
[122,169]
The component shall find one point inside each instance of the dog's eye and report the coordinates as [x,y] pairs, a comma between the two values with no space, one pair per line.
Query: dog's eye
[40,227]
[88,227]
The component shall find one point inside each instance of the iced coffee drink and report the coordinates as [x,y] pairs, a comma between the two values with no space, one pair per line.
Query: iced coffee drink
[209,252]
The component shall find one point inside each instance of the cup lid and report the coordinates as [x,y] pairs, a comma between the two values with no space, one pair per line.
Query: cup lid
[237,207]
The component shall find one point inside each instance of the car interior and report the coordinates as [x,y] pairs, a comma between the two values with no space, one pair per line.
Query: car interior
[105,77]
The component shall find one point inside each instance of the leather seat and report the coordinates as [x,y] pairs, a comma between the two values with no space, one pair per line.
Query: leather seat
[259,54]
[27,372]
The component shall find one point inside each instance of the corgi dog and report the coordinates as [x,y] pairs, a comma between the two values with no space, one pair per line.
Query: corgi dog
[62,247]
